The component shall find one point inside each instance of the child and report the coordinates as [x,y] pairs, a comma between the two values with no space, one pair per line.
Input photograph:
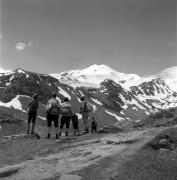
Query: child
[75,124]
[94,125]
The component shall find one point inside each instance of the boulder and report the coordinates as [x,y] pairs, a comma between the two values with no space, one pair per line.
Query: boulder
[161,144]
[110,129]
[32,136]
[163,151]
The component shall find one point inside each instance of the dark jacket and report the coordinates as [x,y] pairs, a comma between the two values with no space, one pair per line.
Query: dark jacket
[33,106]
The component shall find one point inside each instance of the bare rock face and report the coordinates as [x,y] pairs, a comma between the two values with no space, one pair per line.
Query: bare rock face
[110,129]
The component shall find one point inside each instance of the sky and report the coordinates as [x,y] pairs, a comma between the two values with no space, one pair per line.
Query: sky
[50,36]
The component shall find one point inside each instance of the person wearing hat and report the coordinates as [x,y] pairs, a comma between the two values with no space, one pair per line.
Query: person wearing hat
[66,116]
[52,114]
[32,113]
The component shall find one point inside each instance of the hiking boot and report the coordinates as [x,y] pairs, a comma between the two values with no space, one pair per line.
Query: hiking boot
[57,137]
[48,136]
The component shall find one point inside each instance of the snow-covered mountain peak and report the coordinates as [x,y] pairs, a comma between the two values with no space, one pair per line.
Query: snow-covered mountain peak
[98,69]
[95,74]
[169,73]
[170,77]
[19,70]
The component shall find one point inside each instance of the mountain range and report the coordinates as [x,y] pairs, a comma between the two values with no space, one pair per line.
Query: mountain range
[116,97]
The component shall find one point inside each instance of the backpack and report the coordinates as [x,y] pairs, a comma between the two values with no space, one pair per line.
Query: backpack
[66,110]
[54,110]
[88,107]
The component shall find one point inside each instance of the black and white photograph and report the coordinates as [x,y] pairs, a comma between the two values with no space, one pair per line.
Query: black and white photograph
[88,89]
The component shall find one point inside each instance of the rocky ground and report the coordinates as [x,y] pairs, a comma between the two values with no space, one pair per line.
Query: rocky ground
[139,154]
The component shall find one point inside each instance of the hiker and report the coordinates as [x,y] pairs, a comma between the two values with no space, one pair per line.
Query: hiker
[52,114]
[75,124]
[32,113]
[94,125]
[85,110]
[66,115]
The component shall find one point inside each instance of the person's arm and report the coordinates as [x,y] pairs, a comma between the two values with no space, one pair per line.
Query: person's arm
[30,103]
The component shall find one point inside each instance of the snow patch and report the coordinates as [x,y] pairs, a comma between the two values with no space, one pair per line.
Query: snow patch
[14,103]
[121,112]
[11,78]
[96,101]
[44,119]
[114,115]
[8,83]
[20,71]
[147,112]
[64,93]
[58,99]
[78,99]
[81,93]
[27,76]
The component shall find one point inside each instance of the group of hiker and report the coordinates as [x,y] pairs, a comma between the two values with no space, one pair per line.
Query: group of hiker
[64,111]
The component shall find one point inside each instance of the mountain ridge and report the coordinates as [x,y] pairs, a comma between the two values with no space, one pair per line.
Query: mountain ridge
[111,100]
[95,74]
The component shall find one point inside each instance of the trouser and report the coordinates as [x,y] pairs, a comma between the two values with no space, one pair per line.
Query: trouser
[85,118]
[31,118]
[52,118]
[94,127]
[65,120]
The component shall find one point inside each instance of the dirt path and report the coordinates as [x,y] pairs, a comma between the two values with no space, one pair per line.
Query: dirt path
[77,159]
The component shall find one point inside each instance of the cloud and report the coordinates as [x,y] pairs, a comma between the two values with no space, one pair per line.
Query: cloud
[0,36]
[20,46]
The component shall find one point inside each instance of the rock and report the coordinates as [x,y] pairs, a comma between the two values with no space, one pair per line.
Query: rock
[110,129]
[70,177]
[164,142]
[161,144]
[110,142]
[32,136]
[163,151]
[87,153]
[8,172]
